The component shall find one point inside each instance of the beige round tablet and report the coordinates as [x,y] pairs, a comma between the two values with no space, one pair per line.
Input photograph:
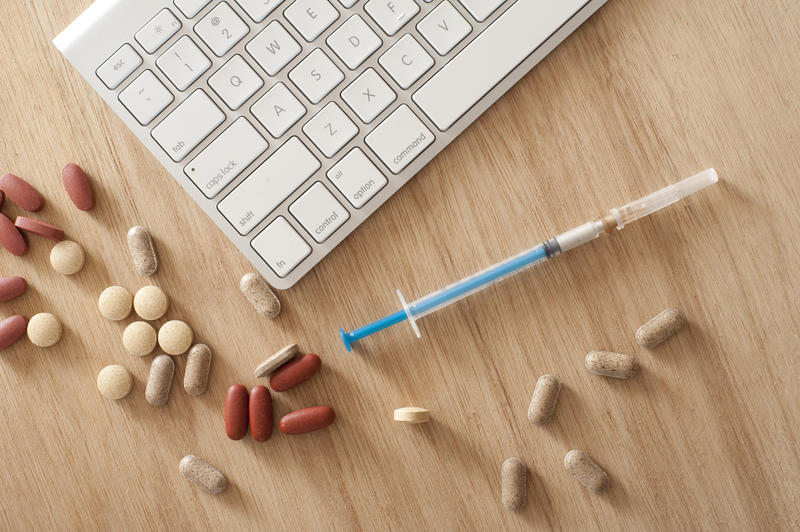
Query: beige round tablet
[412,414]
[44,329]
[139,338]
[115,303]
[175,337]
[114,382]
[67,257]
[150,303]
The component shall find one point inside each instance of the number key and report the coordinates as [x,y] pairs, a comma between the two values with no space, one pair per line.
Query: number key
[221,29]
[183,63]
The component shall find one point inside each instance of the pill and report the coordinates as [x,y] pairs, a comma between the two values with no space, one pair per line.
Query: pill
[20,192]
[202,474]
[143,252]
[198,365]
[236,412]
[514,483]
[11,238]
[586,470]
[412,414]
[11,287]
[114,382]
[260,295]
[78,187]
[67,257]
[175,337]
[44,329]
[277,360]
[660,328]
[544,400]
[38,227]
[307,420]
[295,373]
[608,364]
[261,417]
[159,382]
[150,303]
[12,329]
[115,303]
[2,198]
[139,338]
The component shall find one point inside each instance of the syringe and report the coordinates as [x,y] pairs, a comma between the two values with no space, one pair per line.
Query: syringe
[573,238]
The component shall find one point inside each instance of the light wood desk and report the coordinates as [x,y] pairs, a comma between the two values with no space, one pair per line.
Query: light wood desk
[644,94]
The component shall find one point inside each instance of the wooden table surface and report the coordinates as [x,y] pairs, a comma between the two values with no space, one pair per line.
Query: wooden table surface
[644,94]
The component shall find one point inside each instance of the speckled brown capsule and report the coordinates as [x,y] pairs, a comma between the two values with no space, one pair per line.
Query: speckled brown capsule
[202,474]
[608,364]
[143,252]
[513,476]
[660,328]
[544,400]
[260,295]
[159,382]
[198,365]
[586,470]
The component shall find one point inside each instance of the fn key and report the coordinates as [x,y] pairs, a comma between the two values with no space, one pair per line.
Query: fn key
[281,247]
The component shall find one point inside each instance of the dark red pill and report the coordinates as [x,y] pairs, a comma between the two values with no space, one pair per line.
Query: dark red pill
[295,372]
[12,329]
[11,238]
[11,287]
[39,227]
[21,192]
[236,412]
[261,416]
[307,420]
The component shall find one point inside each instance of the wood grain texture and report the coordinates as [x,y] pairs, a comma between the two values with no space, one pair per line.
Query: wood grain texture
[644,94]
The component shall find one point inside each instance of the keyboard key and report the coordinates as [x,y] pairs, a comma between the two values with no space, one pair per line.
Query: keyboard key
[146,97]
[406,61]
[368,95]
[259,9]
[281,247]
[225,158]
[399,139]
[235,82]
[444,28]
[348,3]
[481,9]
[188,125]
[391,15]
[278,110]
[158,31]
[316,75]
[354,42]
[273,48]
[221,29]
[268,185]
[319,212]
[190,8]
[119,66]
[357,178]
[330,129]
[183,63]
[311,17]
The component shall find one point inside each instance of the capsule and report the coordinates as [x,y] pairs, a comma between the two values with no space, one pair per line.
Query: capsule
[295,372]
[21,192]
[159,382]
[12,329]
[236,412]
[514,481]
[660,328]
[78,187]
[261,416]
[198,365]
[260,295]
[544,400]
[202,474]
[307,420]
[143,252]
[608,364]
[11,287]
[11,238]
[586,470]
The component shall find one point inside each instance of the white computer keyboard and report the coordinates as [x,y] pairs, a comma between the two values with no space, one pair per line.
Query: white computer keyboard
[291,121]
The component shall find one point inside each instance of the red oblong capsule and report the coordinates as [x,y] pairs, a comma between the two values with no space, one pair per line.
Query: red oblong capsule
[39,227]
[11,287]
[295,372]
[12,329]
[261,417]
[21,192]
[11,238]
[77,184]
[307,420]
[236,412]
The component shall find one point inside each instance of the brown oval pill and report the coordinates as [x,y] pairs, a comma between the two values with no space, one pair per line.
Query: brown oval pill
[2,198]
[261,416]
[543,402]
[11,238]
[608,364]
[514,480]
[307,420]
[260,295]
[21,192]
[143,251]
[236,412]
[586,471]
[198,364]
[12,329]
[202,474]
[660,328]
[77,184]
[159,382]
[11,287]
[38,227]
[295,372]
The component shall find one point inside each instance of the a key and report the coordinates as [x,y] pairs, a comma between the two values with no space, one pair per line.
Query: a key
[278,110]
[406,61]
[221,29]
[271,183]
[330,129]
[319,212]
[119,66]
[191,8]
[183,63]
[481,9]
[348,3]
[357,178]
[444,28]
[399,139]
[281,247]
[354,42]
[311,17]
[316,75]
[259,9]
[273,48]
[391,15]
[368,95]
[158,31]
[235,82]
[146,97]
[188,125]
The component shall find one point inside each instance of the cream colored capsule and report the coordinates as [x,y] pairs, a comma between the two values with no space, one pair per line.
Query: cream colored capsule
[271,365]
[67,257]
[260,295]
[660,328]
[586,470]
[202,474]
[608,364]
[115,303]
[159,382]
[114,382]
[150,303]
[514,480]
[412,414]
[139,338]
[198,364]
[544,400]
[44,330]
[175,337]
[143,252]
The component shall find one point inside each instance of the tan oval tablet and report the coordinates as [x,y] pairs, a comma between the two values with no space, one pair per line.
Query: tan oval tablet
[544,400]
[514,479]
[139,338]
[609,364]
[412,414]
[588,473]
[198,365]
[202,474]
[270,365]
[260,295]
[660,328]
[67,257]
[143,251]
[175,337]
[150,303]
[114,382]
[44,329]
[159,382]
[115,303]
